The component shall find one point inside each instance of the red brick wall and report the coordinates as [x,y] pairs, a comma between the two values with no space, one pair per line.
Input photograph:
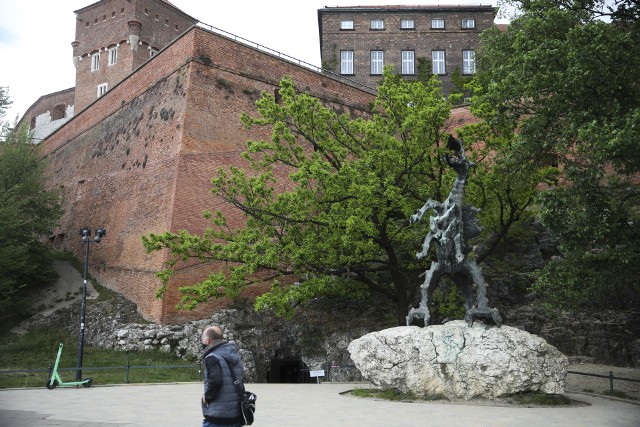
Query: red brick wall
[141,157]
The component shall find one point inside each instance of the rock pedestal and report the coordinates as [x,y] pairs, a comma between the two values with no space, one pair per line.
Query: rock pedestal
[459,361]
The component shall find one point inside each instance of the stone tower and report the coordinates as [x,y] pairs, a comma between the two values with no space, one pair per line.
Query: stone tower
[115,37]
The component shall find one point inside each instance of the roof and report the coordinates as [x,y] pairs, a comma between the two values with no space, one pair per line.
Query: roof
[390,8]
[161,1]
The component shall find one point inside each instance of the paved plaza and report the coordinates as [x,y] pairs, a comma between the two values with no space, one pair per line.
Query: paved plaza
[286,405]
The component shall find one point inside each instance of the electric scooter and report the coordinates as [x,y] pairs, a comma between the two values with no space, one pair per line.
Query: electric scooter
[55,379]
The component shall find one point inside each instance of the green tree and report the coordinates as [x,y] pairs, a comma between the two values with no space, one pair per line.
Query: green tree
[27,213]
[4,101]
[565,83]
[340,225]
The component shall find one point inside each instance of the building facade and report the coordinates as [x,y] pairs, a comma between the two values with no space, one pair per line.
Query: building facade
[112,39]
[357,42]
[140,158]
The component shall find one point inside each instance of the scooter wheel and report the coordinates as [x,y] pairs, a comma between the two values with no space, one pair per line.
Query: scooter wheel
[87,382]
[51,385]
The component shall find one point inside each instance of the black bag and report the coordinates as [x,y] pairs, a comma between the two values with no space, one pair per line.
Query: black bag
[248,407]
[247,399]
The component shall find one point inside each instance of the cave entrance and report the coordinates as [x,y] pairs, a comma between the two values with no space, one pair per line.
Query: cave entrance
[288,371]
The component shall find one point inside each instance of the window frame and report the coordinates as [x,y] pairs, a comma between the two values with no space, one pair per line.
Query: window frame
[376,27]
[407,20]
[469,69]
[465,24]
[434,61]
[101,89]
[379,62]
[346,64]
[344,27]
[438,20]
[113,56]
[95,61]
[410,68]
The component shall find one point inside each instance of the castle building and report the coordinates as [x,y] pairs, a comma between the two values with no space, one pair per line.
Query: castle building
[113,39]
[139,157]
[357,42]
[138,154]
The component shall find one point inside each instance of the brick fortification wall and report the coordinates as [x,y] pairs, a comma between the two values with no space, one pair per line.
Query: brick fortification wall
[140,159]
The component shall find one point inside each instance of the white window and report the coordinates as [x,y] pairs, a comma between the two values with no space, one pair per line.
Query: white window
[346,62]
[102,89]
[377,61]
[95,61]
[152,52]
[113,55]
[408,62]
[437,62]
[468,23]
[407,24]
[377,24]
[468,62]
[437,23]
[347,25]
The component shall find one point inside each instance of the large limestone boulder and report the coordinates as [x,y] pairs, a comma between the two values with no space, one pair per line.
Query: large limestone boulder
[459,361]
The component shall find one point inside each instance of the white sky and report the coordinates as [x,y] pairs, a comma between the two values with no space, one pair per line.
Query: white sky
[36,35]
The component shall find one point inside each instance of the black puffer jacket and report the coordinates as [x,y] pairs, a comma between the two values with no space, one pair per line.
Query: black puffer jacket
[219,391]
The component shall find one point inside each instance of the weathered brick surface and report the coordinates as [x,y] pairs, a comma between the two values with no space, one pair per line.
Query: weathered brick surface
[140,159]
[392,40]
[61,100]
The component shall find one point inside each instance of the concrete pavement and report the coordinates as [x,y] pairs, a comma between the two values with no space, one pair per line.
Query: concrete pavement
[284,405]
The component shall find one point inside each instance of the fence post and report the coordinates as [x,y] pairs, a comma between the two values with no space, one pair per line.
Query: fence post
[126,381]
[610,380]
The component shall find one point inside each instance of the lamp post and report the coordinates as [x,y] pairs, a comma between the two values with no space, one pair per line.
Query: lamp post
[86,238]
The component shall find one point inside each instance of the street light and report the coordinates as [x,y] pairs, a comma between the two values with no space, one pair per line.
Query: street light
[86,237]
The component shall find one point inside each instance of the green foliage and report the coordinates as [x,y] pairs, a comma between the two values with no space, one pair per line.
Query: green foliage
[4,101]
[448,303]
[563,85]
[339,224]
[27,213]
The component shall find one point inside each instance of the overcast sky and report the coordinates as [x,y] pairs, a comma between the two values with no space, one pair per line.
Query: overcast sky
[36,35]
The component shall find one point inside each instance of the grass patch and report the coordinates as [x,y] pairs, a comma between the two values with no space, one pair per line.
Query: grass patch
[393,395]
[104,293]
[540,399]
[619,394]
[38,349]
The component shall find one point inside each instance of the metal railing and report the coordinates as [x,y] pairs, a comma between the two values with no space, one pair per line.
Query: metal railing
[610,377]
[127,368]
[285,56]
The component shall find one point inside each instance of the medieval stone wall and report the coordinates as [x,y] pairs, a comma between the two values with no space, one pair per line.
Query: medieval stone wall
[140,159]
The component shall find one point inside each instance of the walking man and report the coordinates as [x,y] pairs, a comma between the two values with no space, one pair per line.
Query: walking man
[221,399]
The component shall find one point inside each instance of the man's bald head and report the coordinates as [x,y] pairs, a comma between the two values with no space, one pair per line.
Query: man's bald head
[211,334]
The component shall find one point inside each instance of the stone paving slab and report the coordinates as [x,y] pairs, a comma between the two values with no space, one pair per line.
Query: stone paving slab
[286,405]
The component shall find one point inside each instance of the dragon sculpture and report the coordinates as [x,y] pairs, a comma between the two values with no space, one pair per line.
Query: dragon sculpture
[453,224]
